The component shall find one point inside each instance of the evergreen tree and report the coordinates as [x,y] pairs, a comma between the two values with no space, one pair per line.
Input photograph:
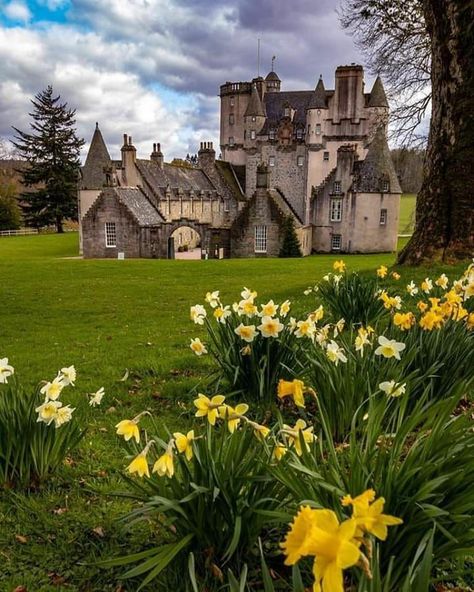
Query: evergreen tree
[52,152]
[291,245]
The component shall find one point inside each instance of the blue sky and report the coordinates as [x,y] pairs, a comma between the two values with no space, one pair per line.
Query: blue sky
[152,68]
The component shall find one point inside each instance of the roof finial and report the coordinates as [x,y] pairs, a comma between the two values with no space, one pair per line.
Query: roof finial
[320,77]
[96,125]
[273,63]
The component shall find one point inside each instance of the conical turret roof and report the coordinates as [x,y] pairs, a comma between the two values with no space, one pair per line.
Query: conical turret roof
[318,98]
[272,76]
[377,167]
[255,107]
[378,98]
[93,176]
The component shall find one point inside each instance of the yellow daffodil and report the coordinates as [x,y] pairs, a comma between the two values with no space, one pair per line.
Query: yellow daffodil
[269,309]
[368,515]
[63,415]
[382,271]
[404,321]
[96,398]
[164,465]
[339,266]
[198,346]
[279,451]
[246,351]
[412,289]
[139,464]
[392,389]
[212,298]
[297,542]
[305,328]
[339,327]
[396,276]
[335,353]
[5,370]
[246,332]
[431,320]
[470,321]
[48,411]
[260,431]
[453,297]
[208,407]
[128,428]
[285,308]
[52,390]
[362,340]
[184,443]
[233,415]
[389,348]
[460,313]
[294,389]
[221,314]
[317,315]
[422,306]
[198,314]
[442,281]
[270,327]
[426,285]
[293,435]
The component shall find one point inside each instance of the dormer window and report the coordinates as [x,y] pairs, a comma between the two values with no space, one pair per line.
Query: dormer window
[337,187]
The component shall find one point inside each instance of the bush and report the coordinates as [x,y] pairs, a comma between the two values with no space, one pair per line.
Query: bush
[291,245]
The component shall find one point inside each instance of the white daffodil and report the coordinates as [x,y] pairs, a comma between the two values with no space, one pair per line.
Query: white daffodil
[392,389]
[442,281]
[48,411]
[96,398]
[389,348]
[221,313]
[427,285]
[339,327]
[212,298]
[270,327]
[198,346]
[248,294]
[305,328]
[198,314]
[52,390]
[412,289]
[246,332]
[5,370]
[247,307]
[68,376]
[335,353]
[285,308]
[63,415]
[269,309]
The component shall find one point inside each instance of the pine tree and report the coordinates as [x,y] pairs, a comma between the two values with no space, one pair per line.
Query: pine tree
[52,152]
[291,245]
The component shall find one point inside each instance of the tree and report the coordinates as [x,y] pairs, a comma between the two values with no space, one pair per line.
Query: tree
[10,213]
[52,153]
[445,205]
[290,246]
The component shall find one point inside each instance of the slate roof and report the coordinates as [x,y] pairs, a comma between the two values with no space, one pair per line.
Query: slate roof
[318,98]
[254,108]
[272,76]
[174,176]
[299,100]
[377,167]
[136,202]
[378,98]
[93,176]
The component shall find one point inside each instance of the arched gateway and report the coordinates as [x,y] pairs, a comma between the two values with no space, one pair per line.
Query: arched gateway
[214,242]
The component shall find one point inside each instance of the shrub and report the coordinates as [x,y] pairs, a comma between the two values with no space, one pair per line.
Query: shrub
[36,431]
[291,245]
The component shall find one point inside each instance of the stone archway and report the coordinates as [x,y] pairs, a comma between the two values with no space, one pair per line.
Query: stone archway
[172,230]
[185,243]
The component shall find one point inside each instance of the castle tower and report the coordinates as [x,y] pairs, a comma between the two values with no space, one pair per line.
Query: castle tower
[272,82]
[316,114]
[98,158]
[378,105]
[254,118]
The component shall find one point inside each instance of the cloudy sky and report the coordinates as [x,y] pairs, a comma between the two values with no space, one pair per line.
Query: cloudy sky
[152,68]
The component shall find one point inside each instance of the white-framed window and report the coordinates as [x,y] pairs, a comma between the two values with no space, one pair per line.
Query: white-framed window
[383,217]
[300,161]
[325,155]
[226,205]
[252,134]
[110,234]
[231,119]
[271,161]
[260,239]
[299,134]
[385,186]
[336,242]
[287,112]
[231,141]
[318,129]
[271,134]
[335,210]
[337,187]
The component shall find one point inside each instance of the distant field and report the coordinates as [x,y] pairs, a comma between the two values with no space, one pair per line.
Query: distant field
[407,213]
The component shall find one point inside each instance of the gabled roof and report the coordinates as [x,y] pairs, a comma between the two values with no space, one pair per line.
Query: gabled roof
[378,98]
[377,167]
[93,176]
[175,176]
[255,107]
[136,202]
[318,98]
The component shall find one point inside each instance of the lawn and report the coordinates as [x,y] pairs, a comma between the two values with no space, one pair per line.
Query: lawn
[106,317]
[407,213]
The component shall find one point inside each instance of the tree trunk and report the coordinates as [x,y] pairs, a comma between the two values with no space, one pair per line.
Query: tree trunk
[59,224]
[445,207]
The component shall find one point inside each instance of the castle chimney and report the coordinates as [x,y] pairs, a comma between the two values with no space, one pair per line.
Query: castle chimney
[129,157]
[349,93]
[263,176]
[157,156]
[206,156]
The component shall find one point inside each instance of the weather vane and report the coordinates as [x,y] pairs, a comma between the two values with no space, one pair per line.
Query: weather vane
[273,63]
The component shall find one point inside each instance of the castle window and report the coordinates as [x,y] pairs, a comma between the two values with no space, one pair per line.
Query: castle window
[226,205]
[287,112]
[337,187]
[385,186]
[231,101]
[231,119]
[336,242]
[336,210]
[325,155]
[252,134]
[110,234]
[383,217]
[271,134]
[260,239]
[271,161]
[231,140]
[299,134]
[318,129]
[300,161]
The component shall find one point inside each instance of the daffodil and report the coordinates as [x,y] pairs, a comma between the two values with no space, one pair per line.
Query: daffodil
[128,428]
[317,314]
[48,411]
[184,443]
[470,321]
[294,389]
[389,348]
[453,297]
[52,390]
[279,451]
[260,431]
[335,353]
[208,407]
[382,271]
[361,340]
[198,346]
[164,465]
[233,415]
[396,276]
[285,308]
[198,314]
[392,388]
[368,515]
[63,415]
[339,327]
[431,320]
[293,435]
[246,332]
[212,298]
[96,398]
[247,308]
[248,294]
[442,281]
[221,314]
[412,289]
[68,375]
[246,350]
[421,306]
[269,309]
[270,327]
[5,370]
[139,464]
[305,328]
[404,321]
[427,285]
[339,266]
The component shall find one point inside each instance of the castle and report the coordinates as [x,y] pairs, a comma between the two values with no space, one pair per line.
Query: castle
[318,156]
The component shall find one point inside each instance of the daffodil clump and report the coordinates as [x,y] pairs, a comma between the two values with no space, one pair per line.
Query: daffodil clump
[337,545]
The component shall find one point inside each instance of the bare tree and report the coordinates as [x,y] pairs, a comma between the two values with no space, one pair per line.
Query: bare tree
[393,38]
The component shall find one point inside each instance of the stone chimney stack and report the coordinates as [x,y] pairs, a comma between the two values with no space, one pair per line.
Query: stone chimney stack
[263,177]
[157,156]
[129,157]
[206,156]
[349,93]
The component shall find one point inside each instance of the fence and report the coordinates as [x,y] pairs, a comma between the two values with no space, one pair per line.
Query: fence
[21,232]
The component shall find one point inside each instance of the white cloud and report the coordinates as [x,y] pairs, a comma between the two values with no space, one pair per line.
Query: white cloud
[17,11]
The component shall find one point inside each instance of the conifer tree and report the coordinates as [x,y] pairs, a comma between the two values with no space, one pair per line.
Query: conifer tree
[52,152]
[291,245]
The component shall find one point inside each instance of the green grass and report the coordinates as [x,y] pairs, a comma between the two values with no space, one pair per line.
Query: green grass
[407,213]
[105,317]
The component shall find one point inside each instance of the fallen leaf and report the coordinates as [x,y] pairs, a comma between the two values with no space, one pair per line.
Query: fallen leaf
[21,539]
[99,531]
[56,579]
[59,511]
[21,589]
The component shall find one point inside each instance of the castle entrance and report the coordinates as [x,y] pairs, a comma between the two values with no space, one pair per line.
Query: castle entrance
[185,243]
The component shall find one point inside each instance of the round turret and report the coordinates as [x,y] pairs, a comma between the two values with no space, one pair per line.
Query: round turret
[272,82]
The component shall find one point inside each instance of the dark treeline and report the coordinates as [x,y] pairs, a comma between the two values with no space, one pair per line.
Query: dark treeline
[408,163]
